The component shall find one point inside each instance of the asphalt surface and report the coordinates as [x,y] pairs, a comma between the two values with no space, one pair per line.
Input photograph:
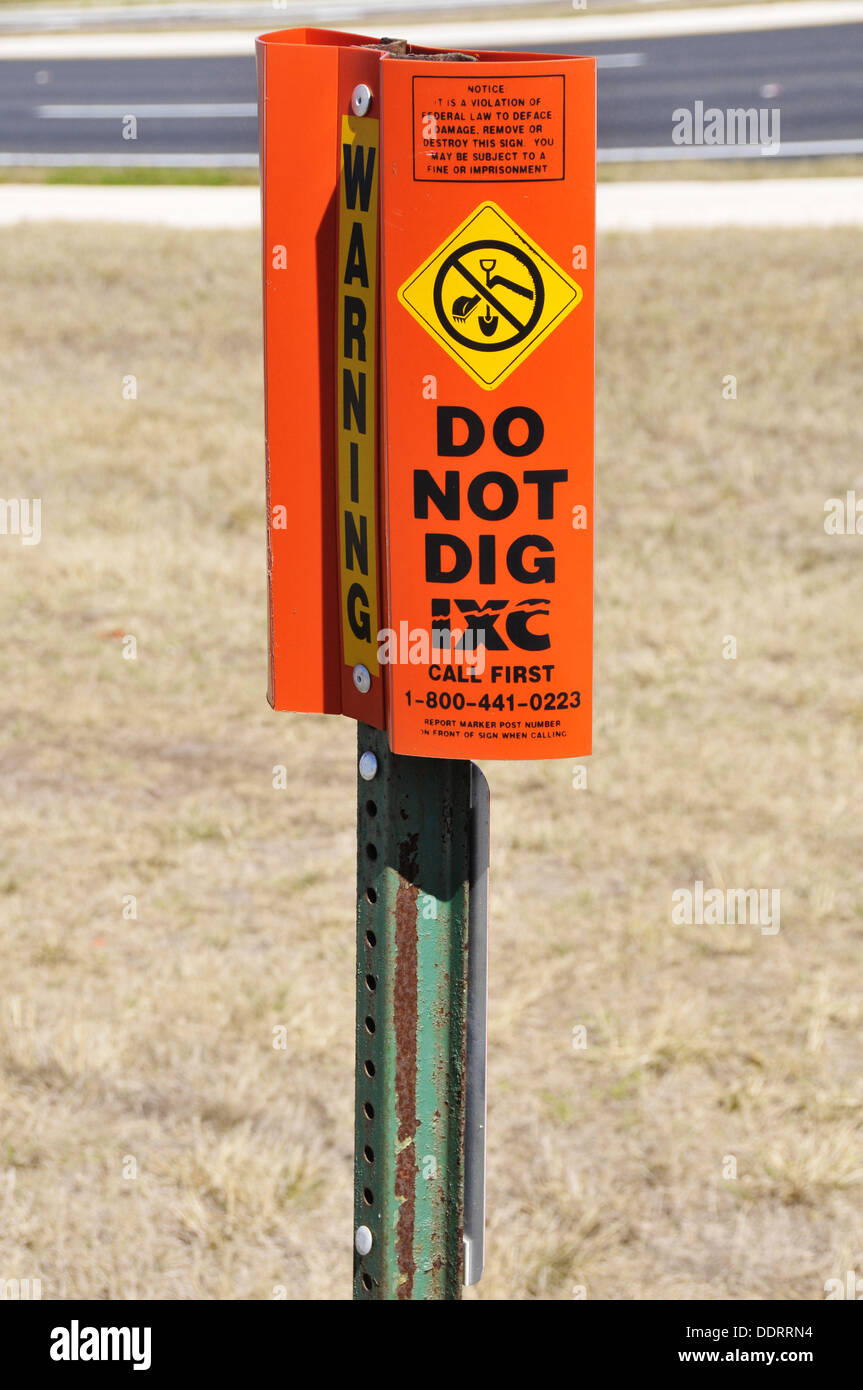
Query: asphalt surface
[813,75]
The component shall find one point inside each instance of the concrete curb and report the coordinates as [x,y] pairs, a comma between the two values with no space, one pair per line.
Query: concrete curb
[623,207]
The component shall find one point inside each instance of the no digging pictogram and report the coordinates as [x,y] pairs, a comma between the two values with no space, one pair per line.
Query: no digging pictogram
[489,295]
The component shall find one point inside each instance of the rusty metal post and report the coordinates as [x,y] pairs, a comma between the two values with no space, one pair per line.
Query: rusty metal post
[416,854]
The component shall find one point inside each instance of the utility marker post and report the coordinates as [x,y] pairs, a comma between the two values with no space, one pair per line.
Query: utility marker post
[421,824]
[428,221]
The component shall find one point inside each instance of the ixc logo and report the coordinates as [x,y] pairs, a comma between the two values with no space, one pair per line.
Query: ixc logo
[522,624]
[76,1343]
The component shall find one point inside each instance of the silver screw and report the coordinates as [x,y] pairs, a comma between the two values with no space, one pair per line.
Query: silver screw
[368,766]
[362,679]
[363,1240]
[361,99]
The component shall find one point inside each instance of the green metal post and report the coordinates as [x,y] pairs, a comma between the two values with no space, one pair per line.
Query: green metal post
[413,889]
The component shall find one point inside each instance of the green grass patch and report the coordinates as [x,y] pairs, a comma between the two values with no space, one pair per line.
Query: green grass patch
[695,170]
[205,178]
[839,166]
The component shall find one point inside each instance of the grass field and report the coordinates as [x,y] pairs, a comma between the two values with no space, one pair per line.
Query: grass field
[152,1142]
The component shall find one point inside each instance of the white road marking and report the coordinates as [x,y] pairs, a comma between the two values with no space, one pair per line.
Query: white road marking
[162,110]
[621,60]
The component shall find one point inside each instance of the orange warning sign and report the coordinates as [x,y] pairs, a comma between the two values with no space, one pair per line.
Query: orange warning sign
[488,330]
[428,244]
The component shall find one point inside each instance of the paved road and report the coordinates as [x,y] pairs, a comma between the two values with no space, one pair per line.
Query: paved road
[208,104]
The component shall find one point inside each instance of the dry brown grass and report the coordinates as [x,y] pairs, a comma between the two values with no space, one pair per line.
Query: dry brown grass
[152,1038]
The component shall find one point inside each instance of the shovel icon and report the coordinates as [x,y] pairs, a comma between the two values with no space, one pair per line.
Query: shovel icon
[488,265]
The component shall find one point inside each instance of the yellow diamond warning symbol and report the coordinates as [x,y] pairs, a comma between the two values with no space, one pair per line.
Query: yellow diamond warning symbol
[489,295]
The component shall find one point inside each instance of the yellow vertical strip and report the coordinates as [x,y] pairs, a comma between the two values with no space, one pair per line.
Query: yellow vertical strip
[356,391]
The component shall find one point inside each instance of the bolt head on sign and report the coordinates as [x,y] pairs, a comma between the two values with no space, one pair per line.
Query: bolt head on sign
[489,295]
